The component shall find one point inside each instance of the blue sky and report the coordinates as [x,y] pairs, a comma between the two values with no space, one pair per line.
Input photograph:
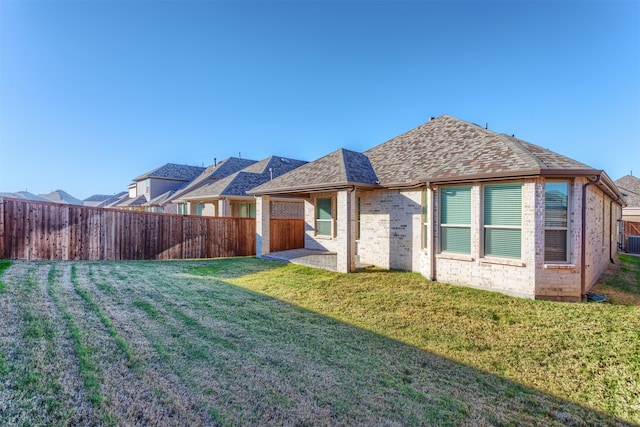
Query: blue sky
[95,93]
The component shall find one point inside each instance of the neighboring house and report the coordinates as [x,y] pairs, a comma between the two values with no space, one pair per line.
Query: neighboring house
[629,186]
[156,182]
[228,196]
[459,204]
[218,170]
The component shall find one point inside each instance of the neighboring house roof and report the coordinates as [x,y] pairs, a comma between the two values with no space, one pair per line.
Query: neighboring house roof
[211,174]
[60,196]
[237,184]
[98,198]
[25,195]
[173,171]
[445,149]
[629,186]
[135,201]
[114,200]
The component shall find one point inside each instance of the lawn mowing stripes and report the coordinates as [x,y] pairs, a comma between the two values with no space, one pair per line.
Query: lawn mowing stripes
[133,362]
[88,368]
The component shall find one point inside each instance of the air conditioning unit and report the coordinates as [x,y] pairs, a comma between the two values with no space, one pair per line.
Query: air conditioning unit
[633,244]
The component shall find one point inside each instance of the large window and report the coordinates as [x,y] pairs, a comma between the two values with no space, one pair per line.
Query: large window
[503,220]
[556,221]
[455,219]
[323,217]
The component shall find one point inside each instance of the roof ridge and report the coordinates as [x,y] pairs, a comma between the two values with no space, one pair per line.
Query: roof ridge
[518,147]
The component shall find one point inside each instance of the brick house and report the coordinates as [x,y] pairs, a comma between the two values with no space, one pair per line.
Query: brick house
[459,204]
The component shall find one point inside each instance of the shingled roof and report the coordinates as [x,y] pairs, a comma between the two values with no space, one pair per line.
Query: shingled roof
[237,184]
[173,171]
[629,185]
[212,173]
[445,149]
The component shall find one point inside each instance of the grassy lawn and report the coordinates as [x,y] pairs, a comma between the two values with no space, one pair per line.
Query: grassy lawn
[249,342]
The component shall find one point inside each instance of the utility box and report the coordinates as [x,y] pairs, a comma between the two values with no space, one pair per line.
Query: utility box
[633,244]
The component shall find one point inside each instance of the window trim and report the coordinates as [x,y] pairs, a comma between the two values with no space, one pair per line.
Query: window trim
[566,229]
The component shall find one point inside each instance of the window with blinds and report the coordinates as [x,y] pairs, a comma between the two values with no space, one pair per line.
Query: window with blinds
[323,217]
[556,221]
[455,219]
[503,220]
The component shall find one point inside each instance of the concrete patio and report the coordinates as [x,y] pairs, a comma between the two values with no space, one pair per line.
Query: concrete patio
[311,258]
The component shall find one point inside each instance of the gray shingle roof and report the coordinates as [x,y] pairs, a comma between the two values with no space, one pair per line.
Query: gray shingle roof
[629,185]
[240,182]
[211,174]
[443,149]
[339,168]
[173,171]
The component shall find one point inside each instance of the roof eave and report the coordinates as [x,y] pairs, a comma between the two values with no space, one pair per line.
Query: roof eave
[313,188]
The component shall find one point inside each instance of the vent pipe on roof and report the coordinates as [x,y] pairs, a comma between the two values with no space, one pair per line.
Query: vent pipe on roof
[486,125]
[271,172]
[215,162]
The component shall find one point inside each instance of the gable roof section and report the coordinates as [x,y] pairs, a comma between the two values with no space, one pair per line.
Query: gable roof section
[61,196]
[114,200]
[338,169]
[239,183]
[173,171]
[629,185]
[445,149]
[211,174]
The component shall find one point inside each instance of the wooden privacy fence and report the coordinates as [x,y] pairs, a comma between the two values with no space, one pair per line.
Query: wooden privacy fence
[40,230]
[631,228]
[286,234]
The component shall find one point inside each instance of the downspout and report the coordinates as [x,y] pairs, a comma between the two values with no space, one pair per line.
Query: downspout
[583,251]
[611,231]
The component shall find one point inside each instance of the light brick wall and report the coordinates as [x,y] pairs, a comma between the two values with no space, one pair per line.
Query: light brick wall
[346,210]
[601,234]
[311,241]
[557,280]
[509,276]
[263,217]
[390,229]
